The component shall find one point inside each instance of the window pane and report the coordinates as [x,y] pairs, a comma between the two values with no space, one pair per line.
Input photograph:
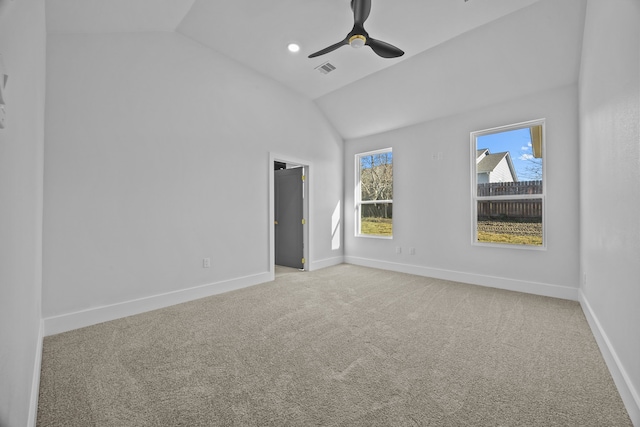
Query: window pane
[375,198]
[510,162]
[376,219]
[376,176]
[517,221]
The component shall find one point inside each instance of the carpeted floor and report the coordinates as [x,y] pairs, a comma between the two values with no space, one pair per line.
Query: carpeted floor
[342,346]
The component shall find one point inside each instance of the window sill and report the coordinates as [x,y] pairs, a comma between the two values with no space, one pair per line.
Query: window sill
[510,246]
[374,236]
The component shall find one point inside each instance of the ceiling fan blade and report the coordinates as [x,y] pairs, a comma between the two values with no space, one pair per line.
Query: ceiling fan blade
[361,10]
[330,48]
[384,49]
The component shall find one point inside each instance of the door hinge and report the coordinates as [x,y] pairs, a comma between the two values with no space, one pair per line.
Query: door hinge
[304,260]
[303,221]
[304,177]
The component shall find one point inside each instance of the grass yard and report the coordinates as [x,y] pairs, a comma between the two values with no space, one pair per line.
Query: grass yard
[485,237]
[515,233]
[376,226]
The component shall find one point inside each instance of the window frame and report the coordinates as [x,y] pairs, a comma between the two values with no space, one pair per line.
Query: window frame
[358,196]
[474,186]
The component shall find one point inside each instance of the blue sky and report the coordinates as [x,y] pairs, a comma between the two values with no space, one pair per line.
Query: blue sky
[378,159]
[517,142]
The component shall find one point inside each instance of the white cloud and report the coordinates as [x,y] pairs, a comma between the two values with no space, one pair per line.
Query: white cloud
[526,157]
[527,148]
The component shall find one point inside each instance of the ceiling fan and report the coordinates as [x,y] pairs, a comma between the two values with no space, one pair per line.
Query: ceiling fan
[358,37]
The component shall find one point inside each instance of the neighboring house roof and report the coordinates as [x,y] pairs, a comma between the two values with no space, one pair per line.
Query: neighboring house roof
[488,162]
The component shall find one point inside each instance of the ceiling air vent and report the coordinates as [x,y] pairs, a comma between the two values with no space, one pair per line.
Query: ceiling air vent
[326,68]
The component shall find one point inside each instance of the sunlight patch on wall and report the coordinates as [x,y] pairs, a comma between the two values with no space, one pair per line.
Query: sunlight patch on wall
[335,227]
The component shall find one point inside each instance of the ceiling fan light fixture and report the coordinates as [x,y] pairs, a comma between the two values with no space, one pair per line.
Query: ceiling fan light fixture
[357,41]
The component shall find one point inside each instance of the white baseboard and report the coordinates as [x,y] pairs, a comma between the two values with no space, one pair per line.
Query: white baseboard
[35,382]
[80,319]
[324,263]
[536,288]
[630,396]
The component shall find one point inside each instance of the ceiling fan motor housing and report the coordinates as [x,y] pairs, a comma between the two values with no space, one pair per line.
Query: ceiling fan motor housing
[357,41]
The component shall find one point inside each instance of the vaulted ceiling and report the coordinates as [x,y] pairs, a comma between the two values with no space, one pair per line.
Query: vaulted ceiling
[458,53]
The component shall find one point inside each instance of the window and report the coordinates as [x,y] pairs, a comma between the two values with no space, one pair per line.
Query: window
[508,188]
[374,193]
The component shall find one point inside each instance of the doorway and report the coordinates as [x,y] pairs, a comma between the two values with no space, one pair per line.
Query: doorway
[289,210]
[288,217]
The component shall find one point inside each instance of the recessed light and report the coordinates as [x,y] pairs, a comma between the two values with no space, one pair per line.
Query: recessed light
[293,47]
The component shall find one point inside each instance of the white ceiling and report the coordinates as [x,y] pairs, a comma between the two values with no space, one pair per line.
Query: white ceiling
[257,32]
[534,49]
[114,16]
[458,54]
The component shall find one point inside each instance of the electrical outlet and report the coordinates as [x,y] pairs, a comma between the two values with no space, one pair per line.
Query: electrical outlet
[412,251]
[398,250]
[206,262]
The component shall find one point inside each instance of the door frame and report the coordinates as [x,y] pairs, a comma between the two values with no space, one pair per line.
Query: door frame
[306,208]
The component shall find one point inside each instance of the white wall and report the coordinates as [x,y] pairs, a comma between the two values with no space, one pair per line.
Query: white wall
[157,157]
[610,183]
[433,214]
[22,45]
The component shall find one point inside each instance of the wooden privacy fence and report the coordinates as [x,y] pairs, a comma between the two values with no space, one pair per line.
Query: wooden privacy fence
[377,210]
[516,210]
[511,210]
[509,188]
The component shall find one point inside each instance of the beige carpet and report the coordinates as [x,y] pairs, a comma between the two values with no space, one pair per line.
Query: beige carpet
[343,346]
